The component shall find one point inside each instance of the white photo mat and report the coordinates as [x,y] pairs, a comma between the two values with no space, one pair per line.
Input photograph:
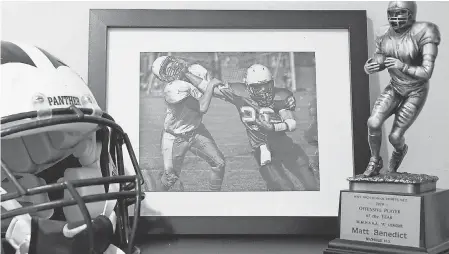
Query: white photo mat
[336,155]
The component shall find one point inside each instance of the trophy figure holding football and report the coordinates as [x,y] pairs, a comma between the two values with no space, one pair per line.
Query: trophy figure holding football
[396,212]
[407,49]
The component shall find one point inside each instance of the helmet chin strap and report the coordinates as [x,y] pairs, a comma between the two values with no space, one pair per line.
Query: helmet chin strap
[70,233]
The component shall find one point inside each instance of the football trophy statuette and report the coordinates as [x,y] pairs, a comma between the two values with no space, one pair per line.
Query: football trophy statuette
[407,49]
[396,212]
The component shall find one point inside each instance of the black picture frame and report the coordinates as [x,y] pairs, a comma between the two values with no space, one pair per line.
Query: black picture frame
[355,21]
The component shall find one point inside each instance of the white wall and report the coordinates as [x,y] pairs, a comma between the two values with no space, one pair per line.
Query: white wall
[62,29]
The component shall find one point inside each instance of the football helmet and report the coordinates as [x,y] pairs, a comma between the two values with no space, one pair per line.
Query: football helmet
[401,14]
[64,186]
[260,84]
[168,68]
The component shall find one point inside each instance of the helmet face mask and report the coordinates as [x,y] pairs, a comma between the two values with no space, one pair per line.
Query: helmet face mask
[399,18]
[260,84]
[262,93]
[130,186]
[81,118]
[168,68]
[401,14]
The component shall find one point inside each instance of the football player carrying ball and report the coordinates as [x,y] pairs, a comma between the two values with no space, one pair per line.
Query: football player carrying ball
[267,114]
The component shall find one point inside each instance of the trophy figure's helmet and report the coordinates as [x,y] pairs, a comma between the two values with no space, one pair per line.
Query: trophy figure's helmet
[401,14]
[260,84]
[61,153]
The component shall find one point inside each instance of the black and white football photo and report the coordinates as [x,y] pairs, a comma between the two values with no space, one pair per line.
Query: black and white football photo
[238,139]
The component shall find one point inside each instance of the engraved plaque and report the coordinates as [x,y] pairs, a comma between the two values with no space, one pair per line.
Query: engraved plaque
[380,218]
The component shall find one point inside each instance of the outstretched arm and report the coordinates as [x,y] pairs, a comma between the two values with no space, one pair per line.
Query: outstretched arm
[202,85]
[207,96]
[222,91]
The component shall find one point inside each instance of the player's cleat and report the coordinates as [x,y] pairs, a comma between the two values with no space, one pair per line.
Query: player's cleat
[396,159]
[374,167]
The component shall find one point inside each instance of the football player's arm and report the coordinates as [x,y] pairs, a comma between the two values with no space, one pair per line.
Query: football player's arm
[206,98]
[425,70]
[428,40]
[222,91]
[180,91]
[287,114]
[288,123]
[370,65]
[203,84]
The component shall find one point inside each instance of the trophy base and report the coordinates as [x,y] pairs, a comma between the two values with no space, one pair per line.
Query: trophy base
[404,188]
[401,183]
[342,246]
[394,223]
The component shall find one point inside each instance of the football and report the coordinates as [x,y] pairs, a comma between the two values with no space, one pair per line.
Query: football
[380,59]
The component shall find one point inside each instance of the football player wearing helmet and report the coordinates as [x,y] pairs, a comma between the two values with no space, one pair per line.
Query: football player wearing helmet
[267,114]
[410,49]
[183,127]
[64,186]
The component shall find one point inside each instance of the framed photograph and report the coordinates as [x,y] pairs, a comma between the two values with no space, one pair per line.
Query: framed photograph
[205,171]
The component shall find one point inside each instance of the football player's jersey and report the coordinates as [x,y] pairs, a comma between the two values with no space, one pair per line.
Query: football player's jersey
[237,94]
[180,116]
[406,47]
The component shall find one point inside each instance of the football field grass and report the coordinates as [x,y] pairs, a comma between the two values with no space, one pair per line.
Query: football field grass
[222,120]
